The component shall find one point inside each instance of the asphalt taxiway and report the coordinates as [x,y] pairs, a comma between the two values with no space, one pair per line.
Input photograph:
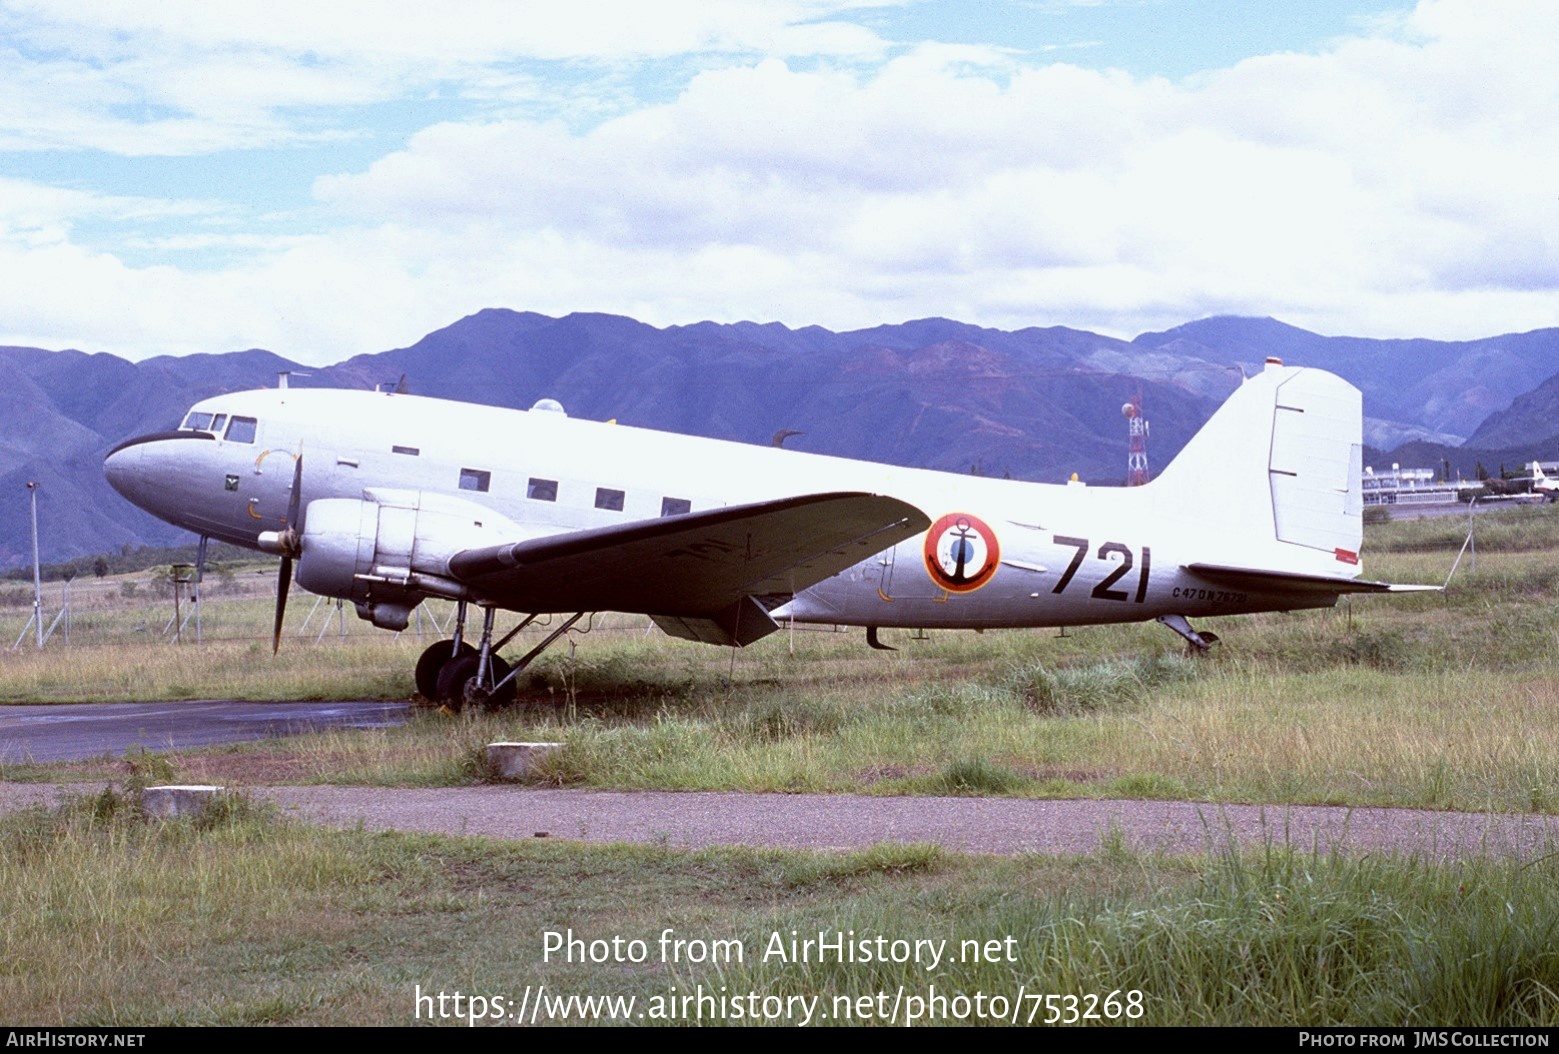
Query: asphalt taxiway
[73,731]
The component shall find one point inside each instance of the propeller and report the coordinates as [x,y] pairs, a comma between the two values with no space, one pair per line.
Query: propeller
[290,545]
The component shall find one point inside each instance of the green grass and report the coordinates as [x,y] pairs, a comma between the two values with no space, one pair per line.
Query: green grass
[251,919]
[1351,731]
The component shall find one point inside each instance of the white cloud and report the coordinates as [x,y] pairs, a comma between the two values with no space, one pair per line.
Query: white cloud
[400,32]
[187,76]
[1395,184]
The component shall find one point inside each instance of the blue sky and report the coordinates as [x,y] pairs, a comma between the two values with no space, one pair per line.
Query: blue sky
[329,178]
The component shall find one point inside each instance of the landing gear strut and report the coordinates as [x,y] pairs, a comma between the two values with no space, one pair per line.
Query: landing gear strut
[454,673]
[1197,644]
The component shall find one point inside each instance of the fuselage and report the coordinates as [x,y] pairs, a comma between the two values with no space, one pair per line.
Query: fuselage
[999,552]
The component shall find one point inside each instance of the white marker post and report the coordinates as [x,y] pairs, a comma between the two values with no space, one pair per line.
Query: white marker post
[37,574]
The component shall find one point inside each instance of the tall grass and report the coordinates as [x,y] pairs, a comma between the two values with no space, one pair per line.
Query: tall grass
[251,919]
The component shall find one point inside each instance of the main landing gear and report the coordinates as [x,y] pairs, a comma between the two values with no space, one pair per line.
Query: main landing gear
[1197,644]
[455,674]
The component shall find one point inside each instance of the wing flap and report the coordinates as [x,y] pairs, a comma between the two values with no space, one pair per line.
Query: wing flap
[740,624]
[695,565]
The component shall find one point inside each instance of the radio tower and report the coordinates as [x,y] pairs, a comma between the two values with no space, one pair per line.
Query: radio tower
[1136,442]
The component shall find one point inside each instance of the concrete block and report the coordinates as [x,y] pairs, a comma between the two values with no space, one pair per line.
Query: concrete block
[171,802]
[517,761]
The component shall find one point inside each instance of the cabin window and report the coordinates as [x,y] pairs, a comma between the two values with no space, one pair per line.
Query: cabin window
[608,499]
[475,479]
[542,489]
[411,450]
[675,506]
[241,430]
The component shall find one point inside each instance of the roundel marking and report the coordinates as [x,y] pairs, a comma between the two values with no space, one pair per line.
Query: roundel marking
[961,552]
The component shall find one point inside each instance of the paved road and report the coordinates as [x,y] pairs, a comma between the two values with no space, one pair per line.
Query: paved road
[975,825]
[73,731]
[972,825]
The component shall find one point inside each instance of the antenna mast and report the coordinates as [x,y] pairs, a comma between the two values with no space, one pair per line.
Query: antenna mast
[1136,441]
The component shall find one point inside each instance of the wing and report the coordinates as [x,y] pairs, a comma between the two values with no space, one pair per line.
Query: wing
[1259,580]
[697,573]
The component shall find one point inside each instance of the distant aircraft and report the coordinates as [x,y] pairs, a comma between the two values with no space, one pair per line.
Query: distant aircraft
[404,498]
[1543,484]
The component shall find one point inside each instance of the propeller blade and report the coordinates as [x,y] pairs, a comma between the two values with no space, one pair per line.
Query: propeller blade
[290,548]
[295,499]
[283,584]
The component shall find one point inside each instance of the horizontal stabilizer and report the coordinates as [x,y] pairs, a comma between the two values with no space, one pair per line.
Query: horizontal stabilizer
[1268,581]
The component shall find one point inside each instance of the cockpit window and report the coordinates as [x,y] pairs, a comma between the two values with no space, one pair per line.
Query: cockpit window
[241,430]
[197,421]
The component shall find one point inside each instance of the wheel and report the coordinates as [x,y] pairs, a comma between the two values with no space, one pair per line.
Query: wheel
[431,662]
[453,677]
[505,695]
[1204,649]
[457,683]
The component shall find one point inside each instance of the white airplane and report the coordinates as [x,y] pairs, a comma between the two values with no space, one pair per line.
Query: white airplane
[1544,484]
[405,498]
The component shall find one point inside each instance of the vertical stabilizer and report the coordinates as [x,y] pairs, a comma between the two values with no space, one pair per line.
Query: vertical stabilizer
[1317,462]
[1273,479]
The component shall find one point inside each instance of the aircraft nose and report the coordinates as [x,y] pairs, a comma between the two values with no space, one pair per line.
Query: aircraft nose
[119,468]
[150,470]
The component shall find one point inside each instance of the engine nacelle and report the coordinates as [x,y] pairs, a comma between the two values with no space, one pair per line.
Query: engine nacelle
[389,549]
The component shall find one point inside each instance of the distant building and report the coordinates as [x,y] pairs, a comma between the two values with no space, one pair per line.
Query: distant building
[1411,486]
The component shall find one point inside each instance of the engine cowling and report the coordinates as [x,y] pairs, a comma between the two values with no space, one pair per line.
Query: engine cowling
[390,549]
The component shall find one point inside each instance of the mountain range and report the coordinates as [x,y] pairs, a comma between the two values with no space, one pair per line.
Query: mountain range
[1036,403]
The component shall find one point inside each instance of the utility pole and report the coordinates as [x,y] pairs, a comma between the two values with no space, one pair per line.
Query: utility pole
[37,573]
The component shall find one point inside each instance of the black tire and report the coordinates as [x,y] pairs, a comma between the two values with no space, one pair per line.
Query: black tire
[431,663]
[455,679]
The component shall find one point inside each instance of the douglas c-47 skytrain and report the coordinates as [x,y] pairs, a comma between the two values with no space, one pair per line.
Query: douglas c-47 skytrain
[385,499]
